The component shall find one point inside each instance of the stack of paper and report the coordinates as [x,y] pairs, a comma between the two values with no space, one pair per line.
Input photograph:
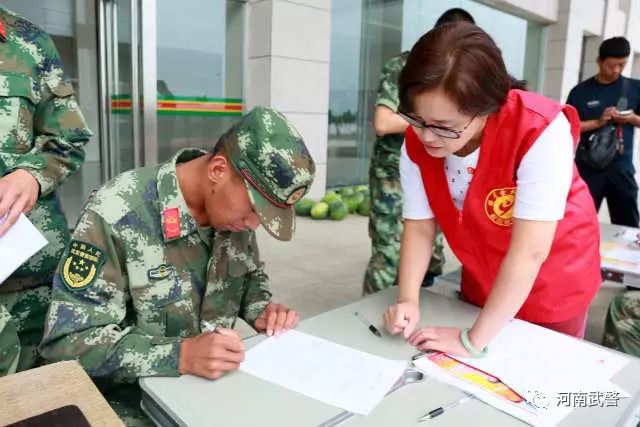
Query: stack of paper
[631,235]
[542,366]
[334,374]
[19,244]
[617,256]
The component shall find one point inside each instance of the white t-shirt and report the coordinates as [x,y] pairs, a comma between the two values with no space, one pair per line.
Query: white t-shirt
[543,178]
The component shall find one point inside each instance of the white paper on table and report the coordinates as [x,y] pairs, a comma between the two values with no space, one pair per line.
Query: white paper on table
[623,254]
[334,374]
[630,235]
[19,243]
[536,361]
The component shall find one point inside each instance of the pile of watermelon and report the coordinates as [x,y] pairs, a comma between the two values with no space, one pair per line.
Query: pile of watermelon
[336,204]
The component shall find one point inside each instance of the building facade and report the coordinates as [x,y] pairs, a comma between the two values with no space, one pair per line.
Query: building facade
[197,65]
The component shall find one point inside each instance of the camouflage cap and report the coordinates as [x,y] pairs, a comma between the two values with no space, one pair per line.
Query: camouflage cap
[277,168]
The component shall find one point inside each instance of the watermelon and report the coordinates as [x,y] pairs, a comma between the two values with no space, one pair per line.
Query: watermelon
[303,207]
[331,196]
[320,210]
[338,210]
[364,207]
[354,201]
[346,192]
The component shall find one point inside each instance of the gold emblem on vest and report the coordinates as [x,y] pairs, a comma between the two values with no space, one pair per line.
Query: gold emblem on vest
[499,205]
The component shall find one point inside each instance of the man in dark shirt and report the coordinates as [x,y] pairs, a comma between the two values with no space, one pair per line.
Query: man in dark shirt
[597,101]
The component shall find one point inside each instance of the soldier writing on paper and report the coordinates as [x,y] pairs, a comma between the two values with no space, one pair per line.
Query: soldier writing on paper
[162,251]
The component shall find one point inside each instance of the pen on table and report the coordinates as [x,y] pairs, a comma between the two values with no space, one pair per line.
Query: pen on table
[368,324]
[421,353]
[442,409]
[208,326]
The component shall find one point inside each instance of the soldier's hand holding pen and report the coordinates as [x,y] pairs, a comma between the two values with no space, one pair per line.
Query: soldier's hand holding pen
[276,318]
[211,354]
[18,194]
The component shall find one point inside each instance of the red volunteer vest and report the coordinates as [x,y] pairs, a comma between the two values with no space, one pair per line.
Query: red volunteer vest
[480,235]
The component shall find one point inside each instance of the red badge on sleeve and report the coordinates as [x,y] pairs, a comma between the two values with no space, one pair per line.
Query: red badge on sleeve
[3,31]
[171,218]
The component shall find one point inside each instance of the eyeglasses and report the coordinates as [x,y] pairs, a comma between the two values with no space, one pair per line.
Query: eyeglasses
[444,132]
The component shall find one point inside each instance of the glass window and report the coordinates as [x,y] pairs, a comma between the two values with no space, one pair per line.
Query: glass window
[366,33]
[508,31]
[200,72]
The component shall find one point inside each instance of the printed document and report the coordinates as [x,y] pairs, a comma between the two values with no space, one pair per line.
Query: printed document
[545,368]
[331,373]
[19,243]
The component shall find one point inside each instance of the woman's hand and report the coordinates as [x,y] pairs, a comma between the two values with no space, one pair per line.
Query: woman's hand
[446,340]
[402,317]
[275,319]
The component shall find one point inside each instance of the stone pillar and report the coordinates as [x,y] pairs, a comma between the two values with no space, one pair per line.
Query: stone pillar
[288,51]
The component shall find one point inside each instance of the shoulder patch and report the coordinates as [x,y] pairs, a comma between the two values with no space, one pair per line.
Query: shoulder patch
[81,265]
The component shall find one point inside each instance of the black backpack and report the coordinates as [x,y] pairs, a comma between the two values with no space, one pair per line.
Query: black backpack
[603,145]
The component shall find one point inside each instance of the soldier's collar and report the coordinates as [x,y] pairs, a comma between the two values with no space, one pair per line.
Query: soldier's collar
[176,220]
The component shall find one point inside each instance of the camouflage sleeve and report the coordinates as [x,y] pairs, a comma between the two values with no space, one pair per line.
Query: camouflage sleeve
[9,343]
[257,294]
[88,320]
[59,128]
[388,87]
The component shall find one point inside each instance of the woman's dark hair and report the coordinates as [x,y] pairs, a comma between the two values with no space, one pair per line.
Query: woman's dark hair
[462,60]
[455,14]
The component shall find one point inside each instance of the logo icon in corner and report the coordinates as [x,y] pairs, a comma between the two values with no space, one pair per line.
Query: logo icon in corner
[499,205]
[538,399]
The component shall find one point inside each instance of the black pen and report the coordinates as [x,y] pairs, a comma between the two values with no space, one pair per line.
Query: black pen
[368,324]
[439,411]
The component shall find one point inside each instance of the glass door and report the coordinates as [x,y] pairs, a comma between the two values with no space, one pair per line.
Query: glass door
[120,85]
[164,87]
[199,72]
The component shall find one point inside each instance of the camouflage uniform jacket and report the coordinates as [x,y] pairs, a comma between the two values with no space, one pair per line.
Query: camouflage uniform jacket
[386,150]
[139,274]
[41,130]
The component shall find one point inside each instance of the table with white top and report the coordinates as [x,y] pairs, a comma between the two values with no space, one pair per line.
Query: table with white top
[626,274]
[240,399]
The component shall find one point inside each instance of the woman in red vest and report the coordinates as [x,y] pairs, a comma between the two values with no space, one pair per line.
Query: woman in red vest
[493,166]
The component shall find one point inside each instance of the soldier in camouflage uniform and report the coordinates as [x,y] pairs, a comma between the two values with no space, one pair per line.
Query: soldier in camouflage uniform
[622,327]
[385,215]
[162,252]
[42,135]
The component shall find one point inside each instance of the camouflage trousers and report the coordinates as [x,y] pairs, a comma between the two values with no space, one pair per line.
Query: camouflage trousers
[385,230]
[22,315]
[622,327]
[125,399]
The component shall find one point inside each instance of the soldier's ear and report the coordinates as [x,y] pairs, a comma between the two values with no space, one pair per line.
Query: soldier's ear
[218,168]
